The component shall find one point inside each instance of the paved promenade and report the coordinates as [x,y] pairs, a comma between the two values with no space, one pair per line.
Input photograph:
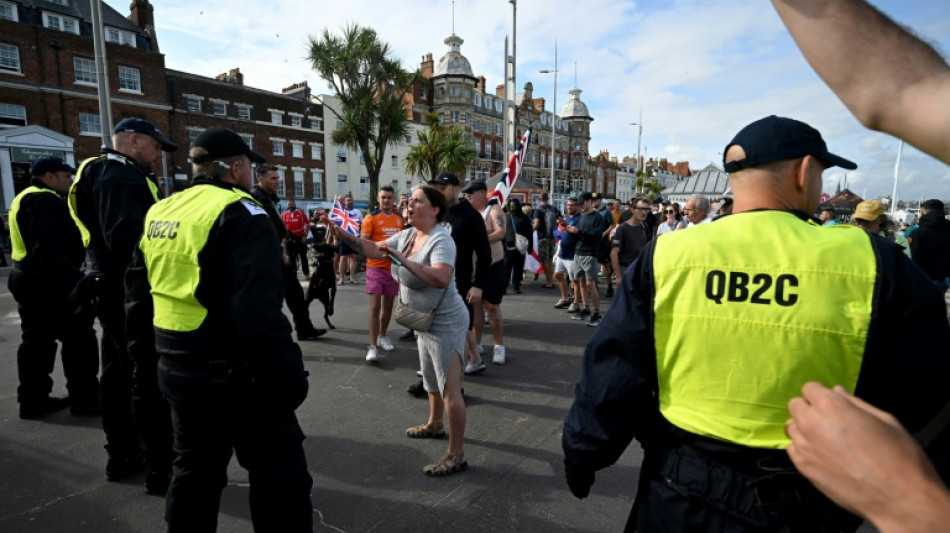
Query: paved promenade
[367,473]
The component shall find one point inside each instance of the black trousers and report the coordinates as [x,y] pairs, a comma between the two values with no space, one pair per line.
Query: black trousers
[115,384]
[681,491]
[211,416]
[297,250]
[514,261]
[47,317]
[296,302]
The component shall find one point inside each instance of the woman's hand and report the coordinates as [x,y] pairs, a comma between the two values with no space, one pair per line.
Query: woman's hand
[400,258]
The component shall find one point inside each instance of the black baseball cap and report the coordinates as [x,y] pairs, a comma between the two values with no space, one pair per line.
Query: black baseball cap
[475,186]
[586,196]
[221,143]
[777,139]
[43,165]
[445,178]
[139,125]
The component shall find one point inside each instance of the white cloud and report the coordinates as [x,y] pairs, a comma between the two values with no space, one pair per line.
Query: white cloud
[700,70]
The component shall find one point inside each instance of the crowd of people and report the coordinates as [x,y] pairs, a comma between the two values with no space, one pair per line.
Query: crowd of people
[803,422]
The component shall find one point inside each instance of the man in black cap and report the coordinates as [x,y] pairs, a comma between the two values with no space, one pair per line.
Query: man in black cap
[756,285]
[108,201]
[210,264]
[47,258]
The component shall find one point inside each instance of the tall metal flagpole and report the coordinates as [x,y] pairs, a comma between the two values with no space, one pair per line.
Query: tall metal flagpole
[102,74]
[897,169]
[514,87]
[504,117]
[553,122]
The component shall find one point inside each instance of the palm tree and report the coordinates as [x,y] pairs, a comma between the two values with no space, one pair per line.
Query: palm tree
[371,86]
[439,149]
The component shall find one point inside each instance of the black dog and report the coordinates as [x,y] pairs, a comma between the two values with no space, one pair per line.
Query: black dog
[323,281]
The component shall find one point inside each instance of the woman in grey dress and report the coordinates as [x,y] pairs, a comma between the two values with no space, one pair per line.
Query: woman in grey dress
[425,258]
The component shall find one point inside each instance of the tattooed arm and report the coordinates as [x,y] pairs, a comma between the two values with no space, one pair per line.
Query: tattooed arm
[498,217]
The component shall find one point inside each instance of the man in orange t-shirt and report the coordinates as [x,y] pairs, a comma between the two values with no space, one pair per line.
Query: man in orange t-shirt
[380,284]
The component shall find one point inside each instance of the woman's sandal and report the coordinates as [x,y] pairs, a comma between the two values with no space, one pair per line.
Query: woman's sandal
[426,431]
[447,464]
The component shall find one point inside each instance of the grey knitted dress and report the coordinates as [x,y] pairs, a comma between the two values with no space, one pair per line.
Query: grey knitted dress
[447,334]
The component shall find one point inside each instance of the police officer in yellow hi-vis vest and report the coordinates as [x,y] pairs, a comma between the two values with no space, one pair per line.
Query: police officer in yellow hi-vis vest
[715,329]
[229,367]
[47,258]
[108,200]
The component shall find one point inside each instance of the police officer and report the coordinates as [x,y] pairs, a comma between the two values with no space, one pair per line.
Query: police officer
[47,257]
[229,367]
[108,200]
[715,329]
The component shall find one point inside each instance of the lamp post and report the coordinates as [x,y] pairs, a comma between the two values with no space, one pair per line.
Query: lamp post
[639,124]
[553,117]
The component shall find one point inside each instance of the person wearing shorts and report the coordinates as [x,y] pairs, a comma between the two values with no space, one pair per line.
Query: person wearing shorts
[588,232]
[381,287]
[348,256]
[564,259]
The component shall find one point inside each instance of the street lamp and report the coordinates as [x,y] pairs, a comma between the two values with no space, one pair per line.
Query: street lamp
[553,117]
[639,136]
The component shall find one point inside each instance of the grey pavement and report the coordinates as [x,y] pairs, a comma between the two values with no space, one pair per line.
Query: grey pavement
[367,474]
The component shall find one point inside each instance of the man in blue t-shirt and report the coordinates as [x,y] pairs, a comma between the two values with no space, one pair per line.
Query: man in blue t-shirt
[564,260]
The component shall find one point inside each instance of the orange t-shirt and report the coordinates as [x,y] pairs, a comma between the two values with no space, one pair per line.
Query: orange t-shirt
[378,226]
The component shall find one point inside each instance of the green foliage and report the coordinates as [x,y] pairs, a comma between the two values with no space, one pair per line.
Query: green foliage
[371,86]
[439,148]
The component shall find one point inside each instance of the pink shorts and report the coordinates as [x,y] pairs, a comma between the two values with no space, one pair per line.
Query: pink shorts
[381,281]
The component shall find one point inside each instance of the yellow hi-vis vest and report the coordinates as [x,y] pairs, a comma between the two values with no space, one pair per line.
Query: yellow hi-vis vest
[18,249]
[72,201]
[176,230]
[747,310]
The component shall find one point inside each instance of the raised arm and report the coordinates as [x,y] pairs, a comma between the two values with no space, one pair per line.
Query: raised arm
[891,80]
[362,246]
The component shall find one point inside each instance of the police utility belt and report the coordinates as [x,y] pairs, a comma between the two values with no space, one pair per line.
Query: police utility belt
[219,368]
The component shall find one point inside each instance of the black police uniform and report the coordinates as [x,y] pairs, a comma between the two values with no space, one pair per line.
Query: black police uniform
[234,382]
[293,292]
[111,197]
[41,283]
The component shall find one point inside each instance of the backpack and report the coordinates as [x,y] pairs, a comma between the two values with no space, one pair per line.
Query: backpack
[550,221]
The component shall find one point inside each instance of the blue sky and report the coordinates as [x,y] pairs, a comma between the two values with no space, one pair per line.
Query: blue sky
[700,70]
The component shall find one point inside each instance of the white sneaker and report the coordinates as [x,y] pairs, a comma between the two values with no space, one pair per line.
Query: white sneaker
[371,355]
[384,343]
[419,373]
[480,349]
[499,357]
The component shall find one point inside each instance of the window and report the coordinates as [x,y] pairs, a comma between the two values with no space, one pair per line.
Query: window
[194,104]
[297,150]
[478,99]
[130,79]
[466,118]
[89,124]
[60,23]
[316,123]
[422,94]
[8,12]
[455,91]
[362,161]
[497,129]
[277,147]
[498,105]
[244,112]
[577,161]
[408,139]
[341,154]
[455,116]
[60,2]
[339,124]
[296,120]
[364,185]
[248,140]
[298,183]
[341,183]
[317,184]
[193,134]
[395,160]
[85,70]
[488,127]
[316,152]
[488,149]
[219,108]
[276,117]
[441,92]
[12,115]
[488,102]
[115,35]
[281,188]
[477,125]
[9,58]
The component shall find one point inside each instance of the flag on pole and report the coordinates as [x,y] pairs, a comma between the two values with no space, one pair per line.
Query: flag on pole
[341,217]
[510,174]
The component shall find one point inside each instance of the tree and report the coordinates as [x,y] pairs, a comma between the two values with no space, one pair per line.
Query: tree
[652,188]
[439,148]
[371,86]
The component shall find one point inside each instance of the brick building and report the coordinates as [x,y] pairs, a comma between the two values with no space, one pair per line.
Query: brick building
[48,81]
[286,128]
